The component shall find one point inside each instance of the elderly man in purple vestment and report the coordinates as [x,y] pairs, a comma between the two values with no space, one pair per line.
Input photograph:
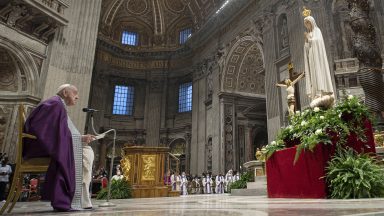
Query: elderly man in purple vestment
[58,138]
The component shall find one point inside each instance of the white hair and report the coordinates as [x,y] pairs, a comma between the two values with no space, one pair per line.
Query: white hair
[61,88]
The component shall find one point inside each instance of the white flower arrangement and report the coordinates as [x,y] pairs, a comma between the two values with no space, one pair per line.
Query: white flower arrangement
[273,143]
[322,117]
[350,97]
[318,131]
[316,109]
[303,123]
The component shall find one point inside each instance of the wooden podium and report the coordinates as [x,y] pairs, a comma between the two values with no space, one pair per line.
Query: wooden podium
[144,168]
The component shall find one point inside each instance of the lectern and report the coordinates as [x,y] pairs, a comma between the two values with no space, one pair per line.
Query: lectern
[144,168]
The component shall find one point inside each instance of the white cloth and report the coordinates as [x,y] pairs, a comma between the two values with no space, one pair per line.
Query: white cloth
[207,183]
[178,183]
[317,73]
[228,181]
[219,184]
[173,182]
[236,178]
[184,185]
[88,157]
[78,156]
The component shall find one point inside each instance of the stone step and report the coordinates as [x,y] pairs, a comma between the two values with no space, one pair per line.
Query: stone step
[257,188]
[249,192]
[260,183]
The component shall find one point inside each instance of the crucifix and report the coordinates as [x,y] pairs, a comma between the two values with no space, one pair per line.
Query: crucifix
[289,83]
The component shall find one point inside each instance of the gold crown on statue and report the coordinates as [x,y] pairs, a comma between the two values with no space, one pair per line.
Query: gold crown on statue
[306,12]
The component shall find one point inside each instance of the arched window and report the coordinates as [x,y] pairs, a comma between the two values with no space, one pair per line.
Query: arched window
[185,97]
[129,38]
[184,35]
[123,100]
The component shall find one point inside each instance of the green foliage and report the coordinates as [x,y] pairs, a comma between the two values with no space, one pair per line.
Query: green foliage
[352,175]
[313,126]
[120,189]
[271,148]
[242,182]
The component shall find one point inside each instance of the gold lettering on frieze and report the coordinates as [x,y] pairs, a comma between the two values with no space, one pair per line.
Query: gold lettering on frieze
[124,63]
[149,167]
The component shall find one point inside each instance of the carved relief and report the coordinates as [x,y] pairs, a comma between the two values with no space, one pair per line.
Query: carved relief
[34,20]
[284,38]
[245,69]
[228,118]
[18,11]
[176,6]
[137,7]
[148,172]
[251,78]
[126,164]
[342,29]
[8,72]
[156,85]
[209,154]
[5,113]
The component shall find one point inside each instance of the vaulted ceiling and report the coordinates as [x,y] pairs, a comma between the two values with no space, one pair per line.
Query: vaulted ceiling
[158,22]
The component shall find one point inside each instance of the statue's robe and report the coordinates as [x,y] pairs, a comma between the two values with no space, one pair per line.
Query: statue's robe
[317,73]
[49,122]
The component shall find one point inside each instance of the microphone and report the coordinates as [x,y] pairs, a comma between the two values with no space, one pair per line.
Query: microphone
[89,110]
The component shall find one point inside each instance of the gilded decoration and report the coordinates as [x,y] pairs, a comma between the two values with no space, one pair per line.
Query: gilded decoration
[178,149]
[149,167]
[126,166]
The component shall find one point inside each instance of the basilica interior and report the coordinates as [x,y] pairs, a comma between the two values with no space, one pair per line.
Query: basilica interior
[197,76]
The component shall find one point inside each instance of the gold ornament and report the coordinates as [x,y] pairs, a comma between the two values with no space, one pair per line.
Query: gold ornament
[306,12]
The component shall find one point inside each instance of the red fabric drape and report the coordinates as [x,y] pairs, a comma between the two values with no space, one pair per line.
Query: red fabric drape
[305,178]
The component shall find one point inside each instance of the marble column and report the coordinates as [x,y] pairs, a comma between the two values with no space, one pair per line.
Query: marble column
[71,55]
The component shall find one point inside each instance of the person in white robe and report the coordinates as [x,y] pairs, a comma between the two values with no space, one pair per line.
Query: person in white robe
[184,184]
[219,184]
[228,180]
[236,176]
[178,182]
[173,181]
[207,184]
[118,176]
[317,73]
[88,157]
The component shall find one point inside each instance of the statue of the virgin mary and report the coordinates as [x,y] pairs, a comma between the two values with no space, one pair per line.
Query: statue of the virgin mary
[318,76]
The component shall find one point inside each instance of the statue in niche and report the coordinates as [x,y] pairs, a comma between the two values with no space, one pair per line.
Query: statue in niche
[221,55]
[318,76]
[210,84]
[284,34]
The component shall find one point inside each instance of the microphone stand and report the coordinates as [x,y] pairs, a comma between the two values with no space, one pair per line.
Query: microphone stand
[107,203]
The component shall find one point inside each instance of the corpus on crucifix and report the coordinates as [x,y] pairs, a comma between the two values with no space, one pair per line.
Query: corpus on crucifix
[289,83]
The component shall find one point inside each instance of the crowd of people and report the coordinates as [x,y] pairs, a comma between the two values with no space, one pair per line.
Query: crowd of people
[204,184]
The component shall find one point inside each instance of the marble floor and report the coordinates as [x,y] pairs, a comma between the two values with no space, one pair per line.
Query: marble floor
[215,205]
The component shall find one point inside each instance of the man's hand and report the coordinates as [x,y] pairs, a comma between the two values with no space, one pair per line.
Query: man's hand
[88,138]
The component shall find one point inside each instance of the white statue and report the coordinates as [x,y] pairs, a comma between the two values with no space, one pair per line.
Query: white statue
[318,75]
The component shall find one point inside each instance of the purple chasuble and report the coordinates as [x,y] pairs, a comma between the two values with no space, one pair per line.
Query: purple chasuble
[49,123]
